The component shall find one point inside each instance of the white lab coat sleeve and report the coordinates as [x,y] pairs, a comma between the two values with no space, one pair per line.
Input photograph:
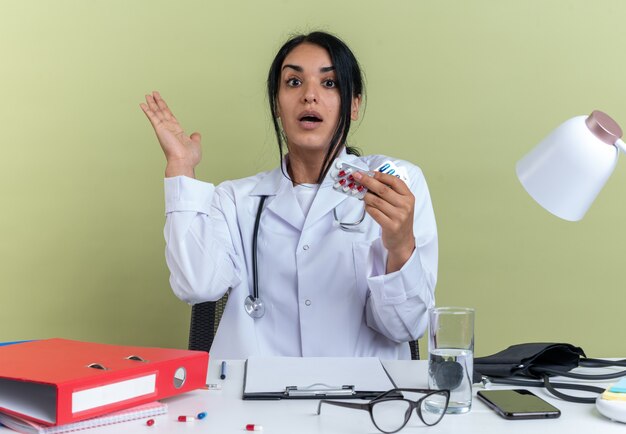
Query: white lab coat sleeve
[199,250]
[398,302]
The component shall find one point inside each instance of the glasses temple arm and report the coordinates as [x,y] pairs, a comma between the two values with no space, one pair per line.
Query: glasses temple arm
[355,405]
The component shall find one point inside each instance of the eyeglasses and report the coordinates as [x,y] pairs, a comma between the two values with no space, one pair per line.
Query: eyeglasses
[391,410]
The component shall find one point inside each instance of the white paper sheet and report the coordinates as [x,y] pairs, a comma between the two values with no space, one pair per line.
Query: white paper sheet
[274,374]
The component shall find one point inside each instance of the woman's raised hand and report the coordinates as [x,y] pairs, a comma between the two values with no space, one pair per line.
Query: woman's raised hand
[182,152]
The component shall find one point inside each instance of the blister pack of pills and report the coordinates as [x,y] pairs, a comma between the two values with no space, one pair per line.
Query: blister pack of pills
[342,174]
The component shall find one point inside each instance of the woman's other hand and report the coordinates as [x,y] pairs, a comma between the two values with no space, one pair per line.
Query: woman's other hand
[182,152]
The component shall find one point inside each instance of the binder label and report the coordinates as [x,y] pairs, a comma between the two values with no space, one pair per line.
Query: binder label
[112,393]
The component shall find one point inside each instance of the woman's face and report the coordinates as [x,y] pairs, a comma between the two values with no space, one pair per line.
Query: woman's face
[308,99]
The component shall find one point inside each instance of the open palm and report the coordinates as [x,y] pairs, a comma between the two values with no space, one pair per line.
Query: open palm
[183,152]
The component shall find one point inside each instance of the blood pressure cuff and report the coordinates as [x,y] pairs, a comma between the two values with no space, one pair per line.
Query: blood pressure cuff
[532,365]
[531,360]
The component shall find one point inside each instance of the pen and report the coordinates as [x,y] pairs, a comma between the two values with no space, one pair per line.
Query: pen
[223,371]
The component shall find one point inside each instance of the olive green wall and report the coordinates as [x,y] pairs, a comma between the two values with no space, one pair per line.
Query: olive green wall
[462,88]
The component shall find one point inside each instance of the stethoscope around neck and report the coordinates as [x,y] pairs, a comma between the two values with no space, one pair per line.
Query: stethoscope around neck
[253,304]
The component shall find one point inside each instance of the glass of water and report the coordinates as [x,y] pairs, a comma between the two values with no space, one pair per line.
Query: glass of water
[451,354]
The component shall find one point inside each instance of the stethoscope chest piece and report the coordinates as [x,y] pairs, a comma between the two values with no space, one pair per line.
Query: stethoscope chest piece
[254,307]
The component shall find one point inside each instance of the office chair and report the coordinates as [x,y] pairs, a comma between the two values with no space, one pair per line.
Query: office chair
[205,317]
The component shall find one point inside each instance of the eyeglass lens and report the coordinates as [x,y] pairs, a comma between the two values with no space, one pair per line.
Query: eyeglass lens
[390,415]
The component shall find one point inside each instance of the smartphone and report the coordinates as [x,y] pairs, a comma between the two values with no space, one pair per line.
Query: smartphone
[518,404]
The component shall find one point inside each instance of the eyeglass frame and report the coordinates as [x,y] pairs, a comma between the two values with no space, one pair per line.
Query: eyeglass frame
[393,395]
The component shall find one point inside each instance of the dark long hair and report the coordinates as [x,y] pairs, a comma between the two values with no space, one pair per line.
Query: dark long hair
[349,81]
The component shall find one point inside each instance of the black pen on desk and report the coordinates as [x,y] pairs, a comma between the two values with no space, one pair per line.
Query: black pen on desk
[223,370]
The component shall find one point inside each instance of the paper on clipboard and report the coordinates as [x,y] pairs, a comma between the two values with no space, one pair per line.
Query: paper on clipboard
[314,377]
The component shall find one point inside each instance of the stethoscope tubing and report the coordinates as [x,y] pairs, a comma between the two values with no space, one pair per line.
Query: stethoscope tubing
[349,227]
[255,276]
[252,303]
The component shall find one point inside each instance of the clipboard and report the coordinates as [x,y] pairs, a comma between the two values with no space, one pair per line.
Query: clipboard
[271,378]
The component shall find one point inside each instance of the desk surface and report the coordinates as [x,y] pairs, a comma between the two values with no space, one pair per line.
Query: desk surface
[228,413]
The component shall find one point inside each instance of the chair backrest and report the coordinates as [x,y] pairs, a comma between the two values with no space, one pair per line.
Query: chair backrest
[205,317]
[415,350]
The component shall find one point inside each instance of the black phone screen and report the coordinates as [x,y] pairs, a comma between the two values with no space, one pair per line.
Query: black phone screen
[518,404]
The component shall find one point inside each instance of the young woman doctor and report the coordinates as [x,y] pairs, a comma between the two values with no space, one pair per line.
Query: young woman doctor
[335,275]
